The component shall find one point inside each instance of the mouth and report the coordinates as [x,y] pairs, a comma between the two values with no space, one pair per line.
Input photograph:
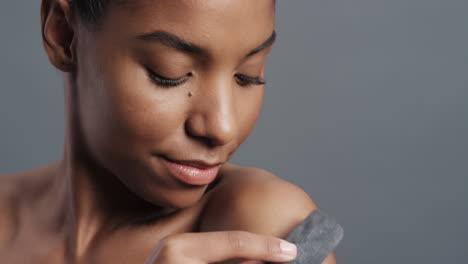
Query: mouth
[194,172]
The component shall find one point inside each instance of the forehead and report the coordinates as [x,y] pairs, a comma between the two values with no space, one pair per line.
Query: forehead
[213,24]
[213,5]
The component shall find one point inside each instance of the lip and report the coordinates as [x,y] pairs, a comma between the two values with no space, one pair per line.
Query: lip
[192,172]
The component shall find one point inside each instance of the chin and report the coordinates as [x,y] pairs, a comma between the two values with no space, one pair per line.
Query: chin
[173,198]
[154,185]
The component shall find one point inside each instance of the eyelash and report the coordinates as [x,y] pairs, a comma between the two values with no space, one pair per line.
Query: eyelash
[243,80]
[248,81]
[166,82]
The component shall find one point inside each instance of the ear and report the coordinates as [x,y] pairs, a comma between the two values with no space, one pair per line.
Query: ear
[58,33]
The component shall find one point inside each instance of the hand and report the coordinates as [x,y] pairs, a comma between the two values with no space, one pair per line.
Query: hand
[220,246]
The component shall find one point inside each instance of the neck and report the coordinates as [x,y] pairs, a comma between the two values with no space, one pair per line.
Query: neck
[92,201]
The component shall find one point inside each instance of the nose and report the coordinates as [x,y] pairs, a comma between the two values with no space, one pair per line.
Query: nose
[213,119]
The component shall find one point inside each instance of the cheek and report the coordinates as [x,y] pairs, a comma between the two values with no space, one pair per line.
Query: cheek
[129,115]
[248,104]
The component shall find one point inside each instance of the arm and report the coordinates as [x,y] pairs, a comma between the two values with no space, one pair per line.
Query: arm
[261,203]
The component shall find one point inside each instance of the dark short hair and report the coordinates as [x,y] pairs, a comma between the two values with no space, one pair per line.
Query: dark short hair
[91,11]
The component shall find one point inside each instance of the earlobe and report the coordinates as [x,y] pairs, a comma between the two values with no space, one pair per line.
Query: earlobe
[58,33]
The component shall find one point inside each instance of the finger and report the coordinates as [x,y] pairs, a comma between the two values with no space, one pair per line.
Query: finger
[252,262]
[241,261]
[218,246]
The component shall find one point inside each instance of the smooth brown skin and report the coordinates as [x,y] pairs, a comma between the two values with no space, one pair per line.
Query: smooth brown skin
[110,199]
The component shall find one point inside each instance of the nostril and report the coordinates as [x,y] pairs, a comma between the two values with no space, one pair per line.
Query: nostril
[213,125]
[210,142]
[207,141]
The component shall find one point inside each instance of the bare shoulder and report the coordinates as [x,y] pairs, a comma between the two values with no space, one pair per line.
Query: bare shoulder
[256,200]
[20,183]
[8,207]
[10,186]
[15,190]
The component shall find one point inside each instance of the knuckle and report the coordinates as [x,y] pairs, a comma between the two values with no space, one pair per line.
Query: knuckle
[273,246]
[238,240]
[170,249]
[174,260]
[165,256]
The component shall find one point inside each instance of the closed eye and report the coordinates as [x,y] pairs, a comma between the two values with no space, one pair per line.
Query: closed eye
[164,81]
[245,80]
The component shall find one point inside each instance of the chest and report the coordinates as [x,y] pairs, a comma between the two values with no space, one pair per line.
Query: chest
[134,246]
[131,245]
[127,246]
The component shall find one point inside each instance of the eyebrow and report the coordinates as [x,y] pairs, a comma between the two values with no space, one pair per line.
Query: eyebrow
[179,43]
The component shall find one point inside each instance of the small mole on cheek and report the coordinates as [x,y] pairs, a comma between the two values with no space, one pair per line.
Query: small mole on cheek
[190,94]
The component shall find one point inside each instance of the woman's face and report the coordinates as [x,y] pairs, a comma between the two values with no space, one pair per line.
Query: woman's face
[176,79]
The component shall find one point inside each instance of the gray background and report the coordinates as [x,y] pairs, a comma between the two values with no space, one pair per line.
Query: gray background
[365,109]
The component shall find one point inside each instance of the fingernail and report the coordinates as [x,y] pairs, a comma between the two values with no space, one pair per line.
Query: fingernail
[288,249]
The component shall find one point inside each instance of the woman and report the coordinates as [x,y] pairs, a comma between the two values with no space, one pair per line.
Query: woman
[159,95]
